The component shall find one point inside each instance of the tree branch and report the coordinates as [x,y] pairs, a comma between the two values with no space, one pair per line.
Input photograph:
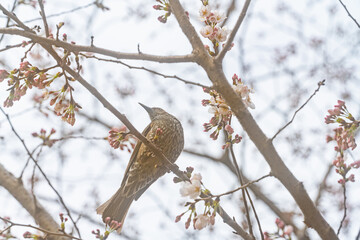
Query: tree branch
[231,37]
[49,234]
[92,49]
[148,70]
[43,16]
[16,188]
[15,19]
[321,83]
[357,24]
[214,70]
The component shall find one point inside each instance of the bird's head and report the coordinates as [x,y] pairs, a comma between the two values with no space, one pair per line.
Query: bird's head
[154,112]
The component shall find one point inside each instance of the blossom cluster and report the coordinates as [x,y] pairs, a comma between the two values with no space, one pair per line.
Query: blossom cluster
[62,106]
[243,91]
[121,138]
[283,231]
[110,226]
[220,110]
[46,138]
[164,6]
[63,221]
[344,138]
[28,234]
[212,30]
[27,76]
[222,113]
[23,78]
[193,190]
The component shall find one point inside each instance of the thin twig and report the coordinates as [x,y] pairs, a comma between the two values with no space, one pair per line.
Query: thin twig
[60,13]
[238,173]
[79,137]
[231,37]
[243,191]
[27,162]
[42,172]
[255,214]
[322,185]
[43,16]
[345,210]
[349,14]
[91,118]
[11,46]
[15,19]
[27,51]
[146,69]
[321,83]
[8,19]
[230,9]
[12,224]
[239,188]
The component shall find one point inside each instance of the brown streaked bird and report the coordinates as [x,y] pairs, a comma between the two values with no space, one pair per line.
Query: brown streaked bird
[144,168]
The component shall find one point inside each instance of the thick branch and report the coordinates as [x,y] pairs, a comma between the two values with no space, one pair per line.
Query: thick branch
[15,187]
[313,218]
[214,70]
[234,31]
[92,49]
[188,29]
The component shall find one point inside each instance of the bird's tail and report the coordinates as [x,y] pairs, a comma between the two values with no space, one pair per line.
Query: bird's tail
[116,208]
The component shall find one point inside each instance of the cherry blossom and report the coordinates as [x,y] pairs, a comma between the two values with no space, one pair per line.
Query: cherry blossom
[192,189]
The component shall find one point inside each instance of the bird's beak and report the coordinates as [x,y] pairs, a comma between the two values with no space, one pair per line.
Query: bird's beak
[148,109]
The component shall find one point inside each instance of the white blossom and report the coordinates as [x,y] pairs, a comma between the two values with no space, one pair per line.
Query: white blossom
[204,12]
[216,17]
[192,189]
[206,31]
[288,230]
[244,91]
[221,34]
[201,221]
[249,103]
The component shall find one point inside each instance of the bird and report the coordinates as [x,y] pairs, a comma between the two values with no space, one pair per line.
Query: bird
[144,168]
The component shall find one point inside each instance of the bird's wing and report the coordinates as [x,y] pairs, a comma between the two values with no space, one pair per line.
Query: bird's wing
[141,191]
[134,155]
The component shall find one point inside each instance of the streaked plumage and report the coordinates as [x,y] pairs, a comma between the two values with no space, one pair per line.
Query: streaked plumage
[144,168]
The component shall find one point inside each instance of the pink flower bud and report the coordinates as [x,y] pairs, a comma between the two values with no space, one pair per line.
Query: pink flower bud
[229,129]
[329,139]
[341,103]
[235,78]
[178,218]
[351,178]
[27,235]
[279,223]
[288,230]
[3,74]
